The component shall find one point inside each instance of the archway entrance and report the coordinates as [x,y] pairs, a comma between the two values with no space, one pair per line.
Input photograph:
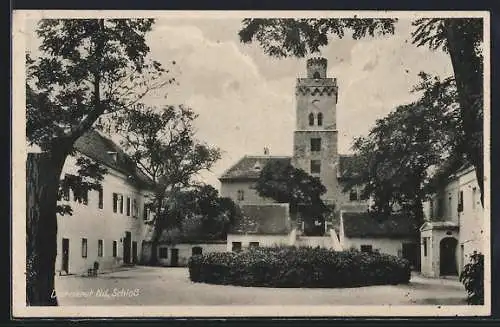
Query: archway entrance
[447,256]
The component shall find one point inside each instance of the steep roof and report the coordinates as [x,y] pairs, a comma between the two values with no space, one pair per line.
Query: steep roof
[248,167]
[364,224]
[265,219]
[100,148]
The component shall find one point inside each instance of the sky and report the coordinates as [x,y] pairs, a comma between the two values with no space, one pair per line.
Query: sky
[246,100]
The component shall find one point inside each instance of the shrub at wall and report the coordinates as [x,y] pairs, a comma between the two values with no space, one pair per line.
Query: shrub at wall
[472,276]
[298,267]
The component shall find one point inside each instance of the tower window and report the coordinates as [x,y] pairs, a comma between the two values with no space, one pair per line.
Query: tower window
[311,119]
[315,166]
[353,195]
[315,144]
[316,75]
[320,119]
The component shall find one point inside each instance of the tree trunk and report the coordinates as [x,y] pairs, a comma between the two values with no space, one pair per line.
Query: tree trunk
[153,260]
[42,179]
[468,71]
[157,230]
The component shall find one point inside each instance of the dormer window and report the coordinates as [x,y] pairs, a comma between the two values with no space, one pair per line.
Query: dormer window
[257,166]
[113,155]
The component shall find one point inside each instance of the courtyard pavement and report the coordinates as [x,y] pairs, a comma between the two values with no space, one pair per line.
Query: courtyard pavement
[157,286]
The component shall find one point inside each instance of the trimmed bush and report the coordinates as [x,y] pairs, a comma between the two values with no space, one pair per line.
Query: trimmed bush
[472,277]
[298,267]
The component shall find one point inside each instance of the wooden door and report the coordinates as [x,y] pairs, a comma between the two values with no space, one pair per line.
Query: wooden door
[65,255]
[174,258]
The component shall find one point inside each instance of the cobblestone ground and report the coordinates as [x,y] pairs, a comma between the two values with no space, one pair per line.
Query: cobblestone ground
[171,286]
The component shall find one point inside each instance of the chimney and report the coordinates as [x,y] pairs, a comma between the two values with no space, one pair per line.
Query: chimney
[266,151]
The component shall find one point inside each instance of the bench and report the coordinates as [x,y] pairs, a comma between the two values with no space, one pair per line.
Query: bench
[92,271]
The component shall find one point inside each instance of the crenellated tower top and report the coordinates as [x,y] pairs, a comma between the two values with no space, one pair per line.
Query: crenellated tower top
[316,67]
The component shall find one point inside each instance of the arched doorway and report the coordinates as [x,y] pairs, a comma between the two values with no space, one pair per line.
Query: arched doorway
[447,256]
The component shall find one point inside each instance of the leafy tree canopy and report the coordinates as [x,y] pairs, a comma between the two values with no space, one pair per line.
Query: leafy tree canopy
[286,184]
[202,214]
[399,158]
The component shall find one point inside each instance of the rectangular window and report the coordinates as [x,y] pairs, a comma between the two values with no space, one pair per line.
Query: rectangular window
[353,195]
[84,247]
[315,144]
[99,248]
[145,212]
[253,244]
[120,203]
[315,166]
[424,245]
[197,250]
[474,191]
[134,208]
[431,208]
[241,195]
[101,199]
[236,246]
[163,253]
[128,206]
[366,248]
[115,202]
[115,250]
[461,201]
[65,188]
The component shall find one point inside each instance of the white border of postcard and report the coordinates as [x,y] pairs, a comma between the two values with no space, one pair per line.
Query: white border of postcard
[19,153]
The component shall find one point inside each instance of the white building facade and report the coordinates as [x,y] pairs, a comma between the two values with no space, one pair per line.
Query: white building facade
[455,226]
[108,227]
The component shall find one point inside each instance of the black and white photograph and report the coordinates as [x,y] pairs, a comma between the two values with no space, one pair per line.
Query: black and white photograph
[267,163]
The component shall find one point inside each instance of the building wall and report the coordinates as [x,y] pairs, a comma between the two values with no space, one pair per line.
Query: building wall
[230,190]
[264,240]
[427,265]
[443,206]
[344,202]
[185,252]
[430,264]
[92,223]
[307,103]
[328,157]
[471,219]
[383,245]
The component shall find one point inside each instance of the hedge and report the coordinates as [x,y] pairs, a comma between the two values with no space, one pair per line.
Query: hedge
[298,267]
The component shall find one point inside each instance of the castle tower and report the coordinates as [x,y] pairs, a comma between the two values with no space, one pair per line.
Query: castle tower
[315,136]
